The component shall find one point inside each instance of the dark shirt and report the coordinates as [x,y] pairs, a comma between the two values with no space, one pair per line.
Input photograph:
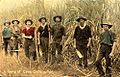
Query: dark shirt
[82,34]
[58,31]
[43,31]
[107,37]
[29,32]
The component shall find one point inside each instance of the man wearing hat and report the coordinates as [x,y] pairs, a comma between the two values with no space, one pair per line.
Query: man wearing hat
[29,44]
[82,39]
[7,34]
[44,37]
[16,34]
[57,31]
[107,38]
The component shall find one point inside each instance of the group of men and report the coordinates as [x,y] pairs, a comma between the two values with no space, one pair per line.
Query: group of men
[82,39]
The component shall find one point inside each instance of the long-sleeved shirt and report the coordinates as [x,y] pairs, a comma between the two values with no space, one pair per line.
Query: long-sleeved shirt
[58,31]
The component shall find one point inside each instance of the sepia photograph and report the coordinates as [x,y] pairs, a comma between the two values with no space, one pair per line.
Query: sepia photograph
[59,38]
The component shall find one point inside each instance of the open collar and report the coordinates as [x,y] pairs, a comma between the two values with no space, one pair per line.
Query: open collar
[43,25]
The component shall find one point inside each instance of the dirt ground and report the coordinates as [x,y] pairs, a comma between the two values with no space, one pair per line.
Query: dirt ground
[11,66]
[19,67]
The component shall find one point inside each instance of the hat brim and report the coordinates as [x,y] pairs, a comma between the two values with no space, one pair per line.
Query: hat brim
[28,20]
[60,17]
[6,23]
[40,20]
[78,20]
[107,25]
[16,21]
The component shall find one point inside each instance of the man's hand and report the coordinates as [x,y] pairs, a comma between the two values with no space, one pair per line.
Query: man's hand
[30,37]
[12,38]
[38,43]
[74,46]
[111,54]
[74,43]
[113,49]
[89,42]
[88,45]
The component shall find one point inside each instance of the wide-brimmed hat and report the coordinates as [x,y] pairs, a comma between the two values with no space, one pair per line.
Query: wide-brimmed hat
[43,18]
[60,17]
[81,17]
[28,20]
[7,22]
[109,25]
[15,21]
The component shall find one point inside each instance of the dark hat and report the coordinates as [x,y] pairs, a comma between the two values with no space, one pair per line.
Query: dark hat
[81,17]
[15,21]
[43,18]
[60,17]
[28,20]
[7,22]
[107,25]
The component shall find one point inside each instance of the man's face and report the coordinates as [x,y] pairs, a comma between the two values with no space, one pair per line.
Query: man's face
[105,27]
[43,21]
[82,22]
[15,22]
[29,23]
[57,19]
[7,25]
